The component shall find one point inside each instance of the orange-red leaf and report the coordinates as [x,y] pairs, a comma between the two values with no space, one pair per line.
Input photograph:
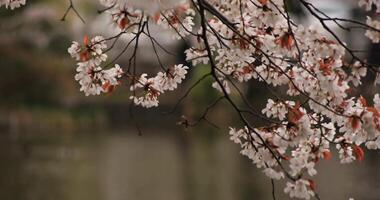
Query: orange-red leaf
[363,101]
[327,155]
[294,114]
[325,65]
[263,2]
[359,153]
[312,185]
[86,40]
[107,87]
[286,41]
[84,56]
[157,16]
[123,23]
[355,122]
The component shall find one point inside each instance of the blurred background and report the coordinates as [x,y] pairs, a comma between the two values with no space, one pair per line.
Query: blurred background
[57,144]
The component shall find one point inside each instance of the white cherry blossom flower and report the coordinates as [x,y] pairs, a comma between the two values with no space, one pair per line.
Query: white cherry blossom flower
[225,84]
[170,79]
[123,15]
[150,91]
[108,3]
[300,189]
[273,174]
[12,4]
[91,49]
[372,34]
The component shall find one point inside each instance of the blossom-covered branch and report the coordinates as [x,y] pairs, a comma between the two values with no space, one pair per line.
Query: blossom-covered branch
[240,42]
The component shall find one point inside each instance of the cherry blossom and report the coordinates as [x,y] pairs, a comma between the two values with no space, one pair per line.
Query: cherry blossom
[172,77]
[300,189]
[90,50]
[367,4]
[178,19]
[371,34]
[150,91]
[94,80]
[90,75]
[147,90]
[12,4]
[108,3]
[124,15]
[273,174]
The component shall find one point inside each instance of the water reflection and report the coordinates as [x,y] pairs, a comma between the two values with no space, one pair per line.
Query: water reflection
[158,165]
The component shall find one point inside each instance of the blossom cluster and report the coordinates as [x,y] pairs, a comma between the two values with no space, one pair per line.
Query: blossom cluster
[95,80]
[145,91]
[303,139]
[374,25]
[12,4]
[368,4]
[90,55]
[266,46]
[123,16]
[179,19]
[151,88]
[90,75]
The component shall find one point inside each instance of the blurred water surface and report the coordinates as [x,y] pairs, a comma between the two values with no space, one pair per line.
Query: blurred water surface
[120,165]
[160,165]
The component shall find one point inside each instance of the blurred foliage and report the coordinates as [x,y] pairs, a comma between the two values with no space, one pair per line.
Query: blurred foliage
[29,84]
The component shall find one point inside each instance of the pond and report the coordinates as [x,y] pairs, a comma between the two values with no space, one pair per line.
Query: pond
[160,165]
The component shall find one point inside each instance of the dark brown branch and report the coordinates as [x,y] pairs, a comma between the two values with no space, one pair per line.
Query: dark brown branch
[71,7]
